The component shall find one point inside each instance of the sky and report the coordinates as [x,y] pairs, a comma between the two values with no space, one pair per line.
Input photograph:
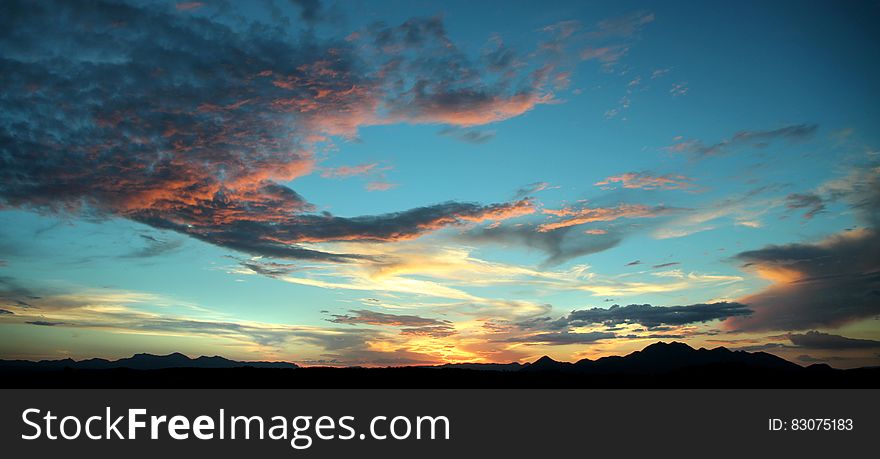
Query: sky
[404,183]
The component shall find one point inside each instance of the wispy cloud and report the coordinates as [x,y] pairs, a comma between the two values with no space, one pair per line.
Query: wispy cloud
[532,188]
[582,215]
[380,186]
[679,89]
[791,133]
[351,171]
[817,340]
[666,265]
[366,317]
[647,181]
[468,135]
[744,210]
[810,201]
[155,247]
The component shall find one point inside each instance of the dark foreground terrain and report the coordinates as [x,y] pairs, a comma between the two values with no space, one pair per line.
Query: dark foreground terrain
[660,365]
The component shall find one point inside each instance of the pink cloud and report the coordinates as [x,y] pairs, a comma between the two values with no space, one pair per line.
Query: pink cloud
[598,214]
[351,171]
[646,181]
[189,6]
[380,186]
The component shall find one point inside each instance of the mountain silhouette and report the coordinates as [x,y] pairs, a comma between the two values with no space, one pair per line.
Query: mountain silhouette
[546,363]
[660,358]
[659,365]
[142,362]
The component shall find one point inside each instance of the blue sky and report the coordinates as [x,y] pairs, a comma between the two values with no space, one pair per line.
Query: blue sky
[422,182]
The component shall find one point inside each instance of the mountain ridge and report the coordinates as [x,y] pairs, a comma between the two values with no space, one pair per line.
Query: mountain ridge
[658,357]
[145,361]
[660,365]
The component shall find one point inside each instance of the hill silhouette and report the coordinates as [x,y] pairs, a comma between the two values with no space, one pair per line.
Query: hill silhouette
[660,365]
[140,362]
[661,358]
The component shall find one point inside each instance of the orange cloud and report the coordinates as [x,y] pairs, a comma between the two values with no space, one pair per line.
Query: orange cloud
[380,186]
[350,171]
[598,214]
[469,109]
[646,181]
[504,212]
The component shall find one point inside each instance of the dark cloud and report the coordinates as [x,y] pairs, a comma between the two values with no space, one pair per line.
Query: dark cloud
[653,316]
[825,284]
[468,135]
[832,358]
[763,347]
[155,247]
[566,239]
[310,10]
[268,268]
[560,245]
[253,237]
[810,201]
[666,265]
[633,263]
[414,33]
[437,331]
[12,292]
[531,188]
[500,58]
[818,340]
[44,323]
[366,317]
[3,311]
[399,225]
[653,336]
[796,132]
[185,122]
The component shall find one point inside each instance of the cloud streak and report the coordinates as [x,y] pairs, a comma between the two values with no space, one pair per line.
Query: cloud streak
[350,171]
[654,316]
[582,215]
[366,317]
[817,340]
[790,133]
[647,181]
